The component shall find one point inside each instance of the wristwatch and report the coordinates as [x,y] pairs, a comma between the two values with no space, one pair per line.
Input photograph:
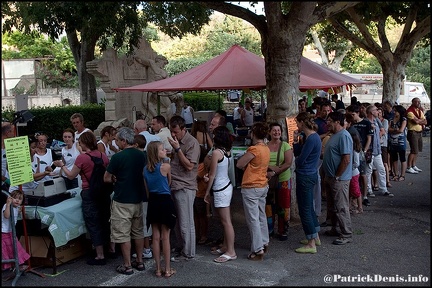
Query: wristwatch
[337,178]
[177,149]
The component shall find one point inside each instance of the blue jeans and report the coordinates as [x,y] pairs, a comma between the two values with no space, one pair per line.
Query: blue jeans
[305,195]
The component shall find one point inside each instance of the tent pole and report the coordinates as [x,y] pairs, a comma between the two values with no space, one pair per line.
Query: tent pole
[158,103]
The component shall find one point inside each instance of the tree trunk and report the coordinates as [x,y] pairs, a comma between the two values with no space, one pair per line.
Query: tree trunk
[282,53]
[394,80]
[83,52]
[392,60]
[283,34]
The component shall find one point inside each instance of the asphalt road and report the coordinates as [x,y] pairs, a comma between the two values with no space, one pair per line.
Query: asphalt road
[391,247]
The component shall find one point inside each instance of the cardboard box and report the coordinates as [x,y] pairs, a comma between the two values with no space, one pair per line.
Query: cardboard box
[42,250]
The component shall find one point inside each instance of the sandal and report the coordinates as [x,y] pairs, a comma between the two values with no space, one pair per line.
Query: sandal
[169,273]
[217,252]
[394,178]
[389,185]
[256,256]
[375,188]
[127,270]
[202,241]
[158,273]
[138,265]
[401,178]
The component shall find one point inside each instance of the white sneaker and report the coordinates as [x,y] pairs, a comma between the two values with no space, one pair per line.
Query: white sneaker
[146,254]
[417,169]
[411,171]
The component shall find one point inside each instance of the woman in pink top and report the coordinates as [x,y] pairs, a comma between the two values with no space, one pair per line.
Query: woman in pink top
[95,208]
[254,189]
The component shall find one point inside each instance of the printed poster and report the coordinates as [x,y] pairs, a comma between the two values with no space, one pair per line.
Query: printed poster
[18,160]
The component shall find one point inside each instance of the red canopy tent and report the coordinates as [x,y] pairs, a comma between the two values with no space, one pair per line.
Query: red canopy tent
[237,68]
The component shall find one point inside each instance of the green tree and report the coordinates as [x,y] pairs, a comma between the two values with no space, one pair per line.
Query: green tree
[85,23]
[16,45]
[55,65]
[282,32]
[372,21]
[215,38]
[330,46]
[418,69]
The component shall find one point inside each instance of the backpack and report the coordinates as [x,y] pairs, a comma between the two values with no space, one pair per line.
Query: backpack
[97,186]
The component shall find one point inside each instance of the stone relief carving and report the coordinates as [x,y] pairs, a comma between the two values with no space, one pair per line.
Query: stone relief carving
[144,66]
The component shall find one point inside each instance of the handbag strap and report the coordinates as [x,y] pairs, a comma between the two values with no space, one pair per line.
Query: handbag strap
[205,140]
[277,157]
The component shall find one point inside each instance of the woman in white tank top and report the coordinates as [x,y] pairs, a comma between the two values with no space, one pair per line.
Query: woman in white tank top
[107,135]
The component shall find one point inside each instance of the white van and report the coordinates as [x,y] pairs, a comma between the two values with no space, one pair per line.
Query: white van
[373,93]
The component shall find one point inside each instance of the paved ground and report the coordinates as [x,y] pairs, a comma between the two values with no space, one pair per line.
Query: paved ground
[391,245]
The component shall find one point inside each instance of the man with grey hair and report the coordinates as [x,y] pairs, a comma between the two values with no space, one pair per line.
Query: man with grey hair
[125,170]
[140,127]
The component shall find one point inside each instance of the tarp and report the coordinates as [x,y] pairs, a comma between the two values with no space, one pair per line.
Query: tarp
[237,68]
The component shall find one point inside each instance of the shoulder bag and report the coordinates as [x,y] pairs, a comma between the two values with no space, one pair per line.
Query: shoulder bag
[273,182]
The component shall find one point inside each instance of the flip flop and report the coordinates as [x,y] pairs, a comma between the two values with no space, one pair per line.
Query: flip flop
[224,258]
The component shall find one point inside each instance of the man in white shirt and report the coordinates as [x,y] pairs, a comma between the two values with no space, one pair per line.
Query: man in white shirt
[187,114]
[158,126]
[247,114]
[77,120]
[140,127]
[237,115]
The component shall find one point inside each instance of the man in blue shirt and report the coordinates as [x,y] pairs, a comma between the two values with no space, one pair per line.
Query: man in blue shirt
[337,167]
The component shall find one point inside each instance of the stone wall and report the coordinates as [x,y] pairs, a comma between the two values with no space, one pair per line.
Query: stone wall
[46,97]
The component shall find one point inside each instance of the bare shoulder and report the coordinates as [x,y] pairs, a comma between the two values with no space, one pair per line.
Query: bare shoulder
[165,167]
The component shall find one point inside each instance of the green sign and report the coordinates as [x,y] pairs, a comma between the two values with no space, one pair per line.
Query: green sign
[18,160]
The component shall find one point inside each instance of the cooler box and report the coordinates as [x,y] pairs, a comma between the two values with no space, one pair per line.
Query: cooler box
[50,187]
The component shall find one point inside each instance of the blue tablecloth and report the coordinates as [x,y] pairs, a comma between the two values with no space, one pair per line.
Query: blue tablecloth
[64,220]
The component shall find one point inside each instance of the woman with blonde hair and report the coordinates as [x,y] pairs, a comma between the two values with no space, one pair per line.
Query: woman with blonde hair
[161,214]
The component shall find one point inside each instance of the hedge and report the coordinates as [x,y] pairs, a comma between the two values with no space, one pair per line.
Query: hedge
[53,120]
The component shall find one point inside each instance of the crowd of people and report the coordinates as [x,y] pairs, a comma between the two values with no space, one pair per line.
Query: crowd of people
[172,179]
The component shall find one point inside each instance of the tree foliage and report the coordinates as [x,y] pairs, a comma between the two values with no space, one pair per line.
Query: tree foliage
[215,38]
[85,23]
[372,22]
